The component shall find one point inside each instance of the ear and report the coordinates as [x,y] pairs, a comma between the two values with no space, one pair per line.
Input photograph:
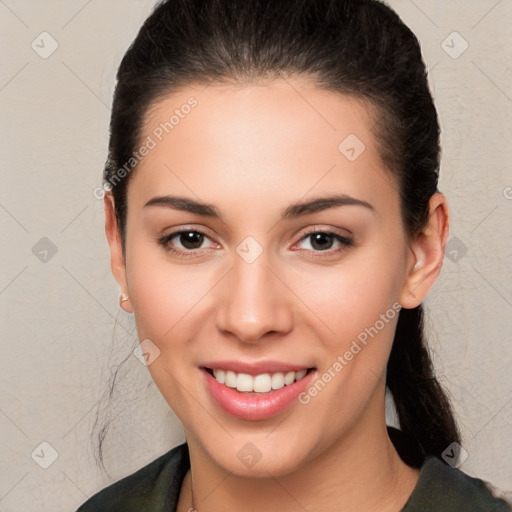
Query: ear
[117,261]
[426,254]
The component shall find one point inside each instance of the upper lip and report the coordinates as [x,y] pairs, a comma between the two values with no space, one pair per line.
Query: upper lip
[256,368]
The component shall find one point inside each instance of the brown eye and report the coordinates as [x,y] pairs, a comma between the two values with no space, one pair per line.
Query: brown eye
[322,241]
[185,242]
[190,239]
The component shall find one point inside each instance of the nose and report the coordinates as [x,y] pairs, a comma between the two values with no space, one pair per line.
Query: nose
[254,301]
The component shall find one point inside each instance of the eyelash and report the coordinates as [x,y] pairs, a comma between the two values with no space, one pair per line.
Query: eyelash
[345,242]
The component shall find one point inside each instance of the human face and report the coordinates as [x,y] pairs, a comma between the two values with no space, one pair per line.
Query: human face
[280,294]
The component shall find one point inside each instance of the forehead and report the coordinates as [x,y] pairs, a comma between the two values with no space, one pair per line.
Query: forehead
[296,105]
[284,135]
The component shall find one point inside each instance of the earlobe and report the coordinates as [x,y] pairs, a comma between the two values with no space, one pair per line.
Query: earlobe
[427,253]
[122,299]
[117,261]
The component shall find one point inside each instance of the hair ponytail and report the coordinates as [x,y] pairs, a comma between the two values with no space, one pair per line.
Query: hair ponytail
[423,409]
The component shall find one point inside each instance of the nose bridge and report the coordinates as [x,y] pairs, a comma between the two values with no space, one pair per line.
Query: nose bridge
[254,301]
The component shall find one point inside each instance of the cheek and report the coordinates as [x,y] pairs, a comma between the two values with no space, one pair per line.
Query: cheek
[351,297]
[166,300]
[357,311]
[163,295]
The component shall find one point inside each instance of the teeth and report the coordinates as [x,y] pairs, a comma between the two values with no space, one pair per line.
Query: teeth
[260,384]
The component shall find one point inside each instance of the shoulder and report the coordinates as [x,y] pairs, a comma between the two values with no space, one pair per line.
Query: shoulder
[153,488]
[442,488]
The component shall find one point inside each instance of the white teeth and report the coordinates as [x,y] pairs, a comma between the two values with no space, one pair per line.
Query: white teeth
[300,374]
[277,381]
[260,383]
[219,375]
[230,379]
[289,378]
[244,382]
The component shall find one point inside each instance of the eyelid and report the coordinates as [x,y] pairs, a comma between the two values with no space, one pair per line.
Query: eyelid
[164,239]
[345,233]
[187,228]
[345,241]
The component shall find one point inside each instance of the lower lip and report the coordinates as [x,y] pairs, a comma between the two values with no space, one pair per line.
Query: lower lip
[255,407]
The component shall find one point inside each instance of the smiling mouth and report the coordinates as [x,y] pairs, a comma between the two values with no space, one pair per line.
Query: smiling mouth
[257,384]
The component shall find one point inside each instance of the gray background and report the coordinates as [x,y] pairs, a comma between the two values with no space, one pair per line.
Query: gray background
[62,329]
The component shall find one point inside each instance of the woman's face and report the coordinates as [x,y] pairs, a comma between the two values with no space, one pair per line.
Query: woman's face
[253,284]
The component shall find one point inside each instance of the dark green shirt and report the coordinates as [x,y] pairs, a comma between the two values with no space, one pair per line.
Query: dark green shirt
[156,488]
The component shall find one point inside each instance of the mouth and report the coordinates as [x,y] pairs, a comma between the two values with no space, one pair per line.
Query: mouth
[260,384]
[260,396]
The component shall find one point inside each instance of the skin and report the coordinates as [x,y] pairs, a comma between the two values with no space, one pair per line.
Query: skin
[251,151]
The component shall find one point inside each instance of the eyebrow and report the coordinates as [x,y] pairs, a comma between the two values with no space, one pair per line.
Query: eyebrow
[292,211]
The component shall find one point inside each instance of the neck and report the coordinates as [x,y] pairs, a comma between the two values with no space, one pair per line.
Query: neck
[359,471]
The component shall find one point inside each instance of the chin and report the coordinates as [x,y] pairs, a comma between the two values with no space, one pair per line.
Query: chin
[258,456]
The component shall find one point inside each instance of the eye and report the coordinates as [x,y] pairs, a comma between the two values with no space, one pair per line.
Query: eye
[190,239]
[321,241]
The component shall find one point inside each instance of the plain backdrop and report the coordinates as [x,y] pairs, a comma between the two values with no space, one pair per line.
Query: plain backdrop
[62,329]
